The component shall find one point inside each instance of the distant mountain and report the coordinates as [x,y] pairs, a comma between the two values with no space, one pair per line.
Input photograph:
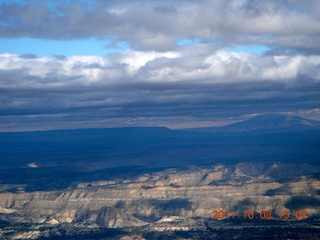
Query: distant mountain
[57,159]
[270,123]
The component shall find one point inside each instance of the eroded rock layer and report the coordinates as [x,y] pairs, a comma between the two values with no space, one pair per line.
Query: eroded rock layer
[196,192]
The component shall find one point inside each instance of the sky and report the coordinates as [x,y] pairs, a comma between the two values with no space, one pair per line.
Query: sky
[174,63]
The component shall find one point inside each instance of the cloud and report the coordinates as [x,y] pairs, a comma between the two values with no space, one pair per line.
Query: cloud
[154,79]
[194,83]
[158,25]
[28,56]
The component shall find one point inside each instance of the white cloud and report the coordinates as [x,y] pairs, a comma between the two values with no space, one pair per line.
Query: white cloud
[179,66]
[138,59]
[157,25]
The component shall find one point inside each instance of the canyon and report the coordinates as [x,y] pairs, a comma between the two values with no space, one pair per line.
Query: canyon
[168,200]
[262,176]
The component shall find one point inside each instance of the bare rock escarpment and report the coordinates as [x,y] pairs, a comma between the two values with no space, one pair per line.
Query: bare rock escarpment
[150,197]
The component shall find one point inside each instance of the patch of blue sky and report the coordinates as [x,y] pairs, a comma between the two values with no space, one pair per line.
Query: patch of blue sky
[186,41]
[43,47]
[20,2]
[52,4]
[249,48]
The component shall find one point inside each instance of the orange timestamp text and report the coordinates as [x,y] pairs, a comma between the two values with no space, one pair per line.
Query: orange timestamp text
[263,214]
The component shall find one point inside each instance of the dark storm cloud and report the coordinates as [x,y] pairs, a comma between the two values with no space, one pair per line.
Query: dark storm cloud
[95,104]
[158,24]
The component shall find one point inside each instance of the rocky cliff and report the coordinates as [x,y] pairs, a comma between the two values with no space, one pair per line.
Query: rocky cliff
[190,193]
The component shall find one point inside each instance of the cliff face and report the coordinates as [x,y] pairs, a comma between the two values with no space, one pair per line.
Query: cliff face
[189,193]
